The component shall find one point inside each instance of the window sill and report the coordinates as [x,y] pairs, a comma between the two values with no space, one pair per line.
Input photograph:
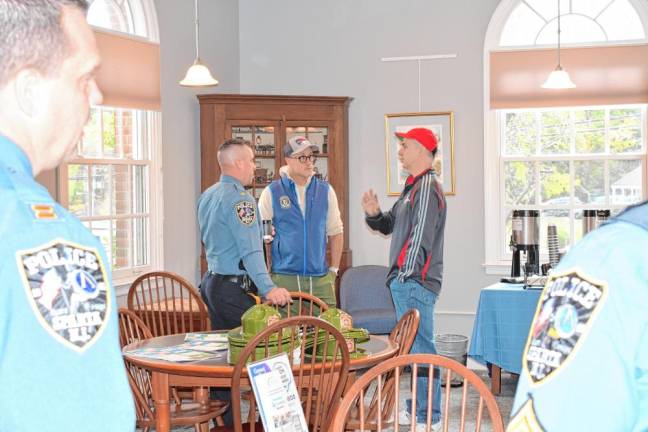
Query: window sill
[502,268]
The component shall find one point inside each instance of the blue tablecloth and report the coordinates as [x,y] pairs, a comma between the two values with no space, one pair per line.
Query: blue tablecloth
[502,325]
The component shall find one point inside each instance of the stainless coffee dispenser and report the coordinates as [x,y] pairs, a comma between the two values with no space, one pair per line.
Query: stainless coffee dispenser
[525,238]
[592,219]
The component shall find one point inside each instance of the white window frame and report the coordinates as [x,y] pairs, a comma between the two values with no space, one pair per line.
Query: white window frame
[494,231]
[150,132]
[500,240]
[143,14]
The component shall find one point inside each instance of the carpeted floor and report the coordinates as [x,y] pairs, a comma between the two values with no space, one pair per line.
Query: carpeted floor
[504,401]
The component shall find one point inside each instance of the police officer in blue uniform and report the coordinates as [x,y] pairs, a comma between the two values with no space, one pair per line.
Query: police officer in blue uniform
[585,365]
[231,233]
[61,368]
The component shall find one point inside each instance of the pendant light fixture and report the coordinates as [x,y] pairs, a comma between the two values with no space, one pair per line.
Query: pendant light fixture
[198,75]
[559,78]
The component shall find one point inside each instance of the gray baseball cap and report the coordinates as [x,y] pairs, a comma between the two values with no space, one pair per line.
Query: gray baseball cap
[298,144]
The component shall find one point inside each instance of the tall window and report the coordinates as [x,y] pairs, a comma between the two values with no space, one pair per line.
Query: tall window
[112,183]
[561,161]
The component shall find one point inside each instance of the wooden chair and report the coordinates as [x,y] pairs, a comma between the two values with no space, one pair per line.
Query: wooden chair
[133,329]
[303,304]
[403,334]
[168,304]
[319,382]
[454,418]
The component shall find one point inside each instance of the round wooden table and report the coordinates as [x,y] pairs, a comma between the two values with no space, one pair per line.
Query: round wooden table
[216,372]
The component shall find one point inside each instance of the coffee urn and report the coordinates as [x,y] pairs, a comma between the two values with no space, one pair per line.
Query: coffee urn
[592,219]
[525,238]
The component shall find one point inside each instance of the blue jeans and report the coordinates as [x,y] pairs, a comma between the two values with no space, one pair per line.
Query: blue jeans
[411,295]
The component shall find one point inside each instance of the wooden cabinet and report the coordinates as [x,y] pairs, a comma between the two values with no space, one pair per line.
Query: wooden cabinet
[268,122]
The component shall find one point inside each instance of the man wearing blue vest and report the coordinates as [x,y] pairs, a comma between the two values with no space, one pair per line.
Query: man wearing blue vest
[585,365]
[305,214]
[61,368]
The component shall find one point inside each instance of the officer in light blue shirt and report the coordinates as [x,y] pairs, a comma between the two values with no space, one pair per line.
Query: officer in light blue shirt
[231,233]
[61,368]
[585,365]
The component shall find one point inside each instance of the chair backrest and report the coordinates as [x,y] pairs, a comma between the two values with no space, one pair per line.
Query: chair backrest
[359,284]
[303,304]
[455,416]
[319,379]
[405,331]
[167,303]
[132,329]
[403,334]
[365,295]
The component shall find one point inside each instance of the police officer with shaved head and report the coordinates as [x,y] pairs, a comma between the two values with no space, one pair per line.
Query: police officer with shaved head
[230,228]
[61,368]
[231,233]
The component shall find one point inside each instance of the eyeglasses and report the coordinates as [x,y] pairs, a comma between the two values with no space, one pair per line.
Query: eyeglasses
[303,159]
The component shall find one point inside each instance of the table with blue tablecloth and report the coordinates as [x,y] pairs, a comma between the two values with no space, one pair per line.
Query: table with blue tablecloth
[501,327]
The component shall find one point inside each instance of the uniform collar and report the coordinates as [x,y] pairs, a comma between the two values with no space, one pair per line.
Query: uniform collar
[229,179]
[13,156]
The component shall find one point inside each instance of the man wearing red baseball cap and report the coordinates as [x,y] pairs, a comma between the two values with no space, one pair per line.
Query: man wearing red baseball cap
[416,222]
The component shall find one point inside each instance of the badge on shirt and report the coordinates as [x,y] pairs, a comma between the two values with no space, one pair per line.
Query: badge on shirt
[246,212]
[284,202]
[565,313]
[67,288]
[525,419]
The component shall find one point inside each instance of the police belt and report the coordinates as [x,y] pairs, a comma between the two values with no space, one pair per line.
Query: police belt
[242,281]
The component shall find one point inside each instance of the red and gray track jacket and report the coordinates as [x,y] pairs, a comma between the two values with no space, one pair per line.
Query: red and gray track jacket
[416,222]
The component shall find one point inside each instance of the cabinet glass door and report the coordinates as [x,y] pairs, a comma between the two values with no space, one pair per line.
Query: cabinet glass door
[264,143]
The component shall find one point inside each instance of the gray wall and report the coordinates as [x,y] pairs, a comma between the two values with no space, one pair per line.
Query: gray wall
[334,47]
[219,49]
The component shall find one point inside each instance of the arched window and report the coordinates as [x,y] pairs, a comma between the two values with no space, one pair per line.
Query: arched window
[571,153]
[134,17]
[113,182]
[534,23]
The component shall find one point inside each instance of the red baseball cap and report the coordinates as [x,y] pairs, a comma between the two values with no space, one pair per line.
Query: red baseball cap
[424,136]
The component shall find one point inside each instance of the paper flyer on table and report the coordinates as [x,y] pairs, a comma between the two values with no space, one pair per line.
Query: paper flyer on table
[276,395]
[172,354]
[206,337]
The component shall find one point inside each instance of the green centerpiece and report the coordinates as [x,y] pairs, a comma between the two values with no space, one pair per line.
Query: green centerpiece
[344,323]
[253,321]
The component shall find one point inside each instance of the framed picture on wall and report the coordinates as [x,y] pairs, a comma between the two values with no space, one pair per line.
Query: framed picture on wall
[442,124]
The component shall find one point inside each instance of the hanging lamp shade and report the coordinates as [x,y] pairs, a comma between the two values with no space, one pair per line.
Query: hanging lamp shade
[198,74]
[558,78]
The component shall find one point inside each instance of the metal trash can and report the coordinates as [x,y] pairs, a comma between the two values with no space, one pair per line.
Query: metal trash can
[453,346]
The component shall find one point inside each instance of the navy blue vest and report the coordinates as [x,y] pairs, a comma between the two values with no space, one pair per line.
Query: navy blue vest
[299,246]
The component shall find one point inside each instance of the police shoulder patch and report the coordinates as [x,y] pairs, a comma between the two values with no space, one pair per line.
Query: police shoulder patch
[245,212]
[565,313]
[43,211]
[525,420]
[68,290]
[284,201]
